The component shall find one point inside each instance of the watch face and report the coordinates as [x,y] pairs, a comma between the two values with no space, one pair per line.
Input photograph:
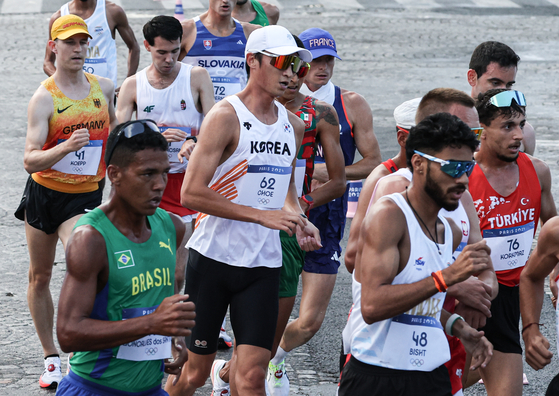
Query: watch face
[308,198]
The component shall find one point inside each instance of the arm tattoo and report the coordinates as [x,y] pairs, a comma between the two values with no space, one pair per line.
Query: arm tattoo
[326,113]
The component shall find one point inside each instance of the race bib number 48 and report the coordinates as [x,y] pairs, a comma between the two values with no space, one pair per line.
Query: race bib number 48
[416,343]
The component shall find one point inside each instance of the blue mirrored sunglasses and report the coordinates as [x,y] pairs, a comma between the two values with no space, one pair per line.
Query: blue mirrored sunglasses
[452,168]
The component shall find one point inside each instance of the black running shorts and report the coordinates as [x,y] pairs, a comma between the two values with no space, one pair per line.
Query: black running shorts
[501,329]
[360,379]
[251,293]
[47,209]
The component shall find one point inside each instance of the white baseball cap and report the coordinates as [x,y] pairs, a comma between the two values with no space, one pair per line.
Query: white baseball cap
[404,115]
[276,40]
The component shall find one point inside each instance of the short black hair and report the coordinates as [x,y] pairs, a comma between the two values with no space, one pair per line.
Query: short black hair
[163,26]
[492,51]
[438,131]
[125,148]
[487,112]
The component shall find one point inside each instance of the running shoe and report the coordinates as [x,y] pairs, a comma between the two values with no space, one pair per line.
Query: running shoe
[219,387]
[52,376]
[277,379]
[225,341]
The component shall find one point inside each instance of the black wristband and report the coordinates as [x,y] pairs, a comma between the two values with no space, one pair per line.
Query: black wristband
[192,138]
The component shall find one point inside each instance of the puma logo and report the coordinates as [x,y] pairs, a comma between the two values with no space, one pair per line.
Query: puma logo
[166,245]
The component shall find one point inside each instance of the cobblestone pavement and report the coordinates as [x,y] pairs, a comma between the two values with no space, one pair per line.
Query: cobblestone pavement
[390,55]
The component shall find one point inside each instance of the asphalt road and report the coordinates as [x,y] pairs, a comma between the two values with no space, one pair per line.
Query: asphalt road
[390,54]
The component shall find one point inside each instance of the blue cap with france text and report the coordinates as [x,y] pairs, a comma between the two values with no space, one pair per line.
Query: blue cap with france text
[319,42]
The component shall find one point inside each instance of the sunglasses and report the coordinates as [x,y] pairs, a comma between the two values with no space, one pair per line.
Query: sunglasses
[452,168]
[477,132]
[282,62]
[128,130]
[505,98]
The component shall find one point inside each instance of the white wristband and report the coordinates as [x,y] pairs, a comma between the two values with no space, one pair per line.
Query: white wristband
[450,322]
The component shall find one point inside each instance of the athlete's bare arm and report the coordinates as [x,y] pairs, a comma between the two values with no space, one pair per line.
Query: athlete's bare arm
[476,293]
[48,64]
[119,21]
[529,139]
[542,261]
[39,112]
[329,136]
[87,274]
[202,89]
[272,12]
[385,253]
[127,100]
[188,37]
[548,209]
[248,28]
[361,118]
[362,205]
[219,136]
[108,88]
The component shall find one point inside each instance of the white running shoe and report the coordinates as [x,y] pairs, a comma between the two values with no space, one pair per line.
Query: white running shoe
[52,376]
[277,379]
[219,387]
[225,341]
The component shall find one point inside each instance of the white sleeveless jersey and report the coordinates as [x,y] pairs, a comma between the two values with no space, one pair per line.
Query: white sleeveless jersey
[459,215]
[257,174]
[101,54]
[171,107]
[414,340]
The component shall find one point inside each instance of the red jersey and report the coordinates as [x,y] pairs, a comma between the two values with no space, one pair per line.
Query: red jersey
[509,223]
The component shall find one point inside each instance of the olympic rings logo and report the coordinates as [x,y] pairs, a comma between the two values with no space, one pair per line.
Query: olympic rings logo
[77,170]
[263,201]
[512,263]
[416,362]
[151,351]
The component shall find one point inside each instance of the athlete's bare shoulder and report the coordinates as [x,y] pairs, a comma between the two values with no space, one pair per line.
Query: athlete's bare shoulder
[326,112]
[248,28]
[188,36]
[41,102]
[199,72]
[107,86]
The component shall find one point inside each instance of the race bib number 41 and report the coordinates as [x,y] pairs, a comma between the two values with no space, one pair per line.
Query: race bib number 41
[264,186]
[151,347]
[85,161]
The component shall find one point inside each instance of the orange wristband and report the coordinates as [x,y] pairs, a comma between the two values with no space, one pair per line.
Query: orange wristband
[439,281]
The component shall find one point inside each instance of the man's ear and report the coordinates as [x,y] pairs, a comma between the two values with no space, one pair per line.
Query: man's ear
[418,165]
[114,173]
[472,77]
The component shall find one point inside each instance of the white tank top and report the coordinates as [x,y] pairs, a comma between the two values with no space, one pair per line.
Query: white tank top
[459,215]
[101,54]
[257,174]
[414,340]
[171,107]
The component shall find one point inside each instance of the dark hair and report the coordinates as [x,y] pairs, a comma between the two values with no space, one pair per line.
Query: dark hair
[298,41]
[487,112]
[440,100]
[126,148]
[492,51]
[162,26]
[438,131]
